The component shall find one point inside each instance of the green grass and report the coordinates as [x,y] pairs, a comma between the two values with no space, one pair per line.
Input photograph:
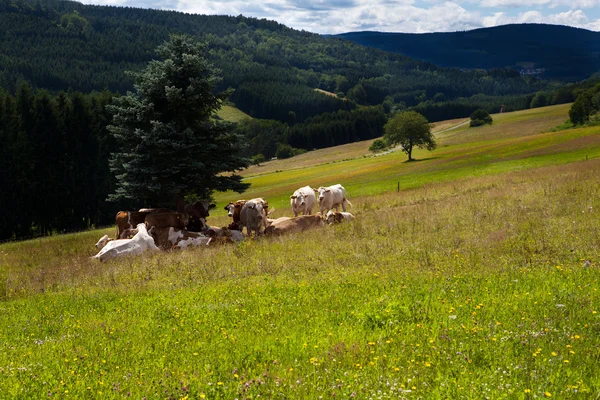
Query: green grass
[472,284]
[232,114]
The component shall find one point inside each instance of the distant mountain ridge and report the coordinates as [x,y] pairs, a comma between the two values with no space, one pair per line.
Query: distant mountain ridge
[553,51]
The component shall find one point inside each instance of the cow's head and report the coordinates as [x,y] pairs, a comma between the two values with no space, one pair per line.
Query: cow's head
[199,209]
[258,209]
[299,199]
[322,192]
[229,208]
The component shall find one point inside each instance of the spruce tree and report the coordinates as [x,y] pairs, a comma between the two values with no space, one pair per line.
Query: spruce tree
[169,143]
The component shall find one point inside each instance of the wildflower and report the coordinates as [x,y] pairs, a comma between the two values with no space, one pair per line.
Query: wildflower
[547,394]
[527,390]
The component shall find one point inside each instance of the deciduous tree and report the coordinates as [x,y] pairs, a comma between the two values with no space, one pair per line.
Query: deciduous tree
[409,129]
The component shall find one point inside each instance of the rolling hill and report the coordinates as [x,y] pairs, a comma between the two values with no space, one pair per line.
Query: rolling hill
[478,279]
[552,51]
[65,45]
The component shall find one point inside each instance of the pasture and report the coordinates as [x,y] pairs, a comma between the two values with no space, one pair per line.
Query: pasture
[479,279]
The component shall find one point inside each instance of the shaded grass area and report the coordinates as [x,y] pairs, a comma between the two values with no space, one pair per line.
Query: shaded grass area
[463,289]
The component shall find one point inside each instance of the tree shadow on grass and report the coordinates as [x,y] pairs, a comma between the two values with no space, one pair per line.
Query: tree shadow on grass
[414,160]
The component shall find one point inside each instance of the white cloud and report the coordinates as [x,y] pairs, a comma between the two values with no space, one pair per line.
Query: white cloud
[576,18]
[337,16]
[573,4]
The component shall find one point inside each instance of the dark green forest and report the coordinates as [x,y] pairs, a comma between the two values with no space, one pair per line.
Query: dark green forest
[62,63]
[62,45]
[562,52]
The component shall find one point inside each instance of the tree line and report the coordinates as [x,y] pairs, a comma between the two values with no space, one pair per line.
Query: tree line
[54,162]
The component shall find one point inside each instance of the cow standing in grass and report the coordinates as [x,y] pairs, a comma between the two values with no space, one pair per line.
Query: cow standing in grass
[303,200]
[253,216]
[332,197]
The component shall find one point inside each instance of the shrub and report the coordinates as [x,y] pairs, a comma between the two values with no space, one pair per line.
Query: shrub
[480,117]
[378,145]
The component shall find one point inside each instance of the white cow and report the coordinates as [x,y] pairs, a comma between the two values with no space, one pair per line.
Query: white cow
[303,200]
[253,216]
[102,242]
[332,197]
[139,243]
[334,217]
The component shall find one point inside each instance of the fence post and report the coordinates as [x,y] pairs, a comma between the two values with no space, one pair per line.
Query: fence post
[398,187]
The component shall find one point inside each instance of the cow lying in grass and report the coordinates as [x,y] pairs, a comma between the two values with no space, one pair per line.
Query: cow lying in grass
[334,217]
[141,242]
[297,224]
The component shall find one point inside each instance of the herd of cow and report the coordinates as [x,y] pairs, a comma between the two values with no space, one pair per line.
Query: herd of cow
[160,228]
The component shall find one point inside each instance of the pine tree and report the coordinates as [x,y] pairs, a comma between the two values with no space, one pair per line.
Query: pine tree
[169,143]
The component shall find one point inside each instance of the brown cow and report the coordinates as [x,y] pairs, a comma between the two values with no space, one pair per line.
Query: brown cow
[128,220]
[297,224]
[167,219]
[233,210]
[198,213]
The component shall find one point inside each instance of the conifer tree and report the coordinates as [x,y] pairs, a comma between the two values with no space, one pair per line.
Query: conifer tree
[169,143]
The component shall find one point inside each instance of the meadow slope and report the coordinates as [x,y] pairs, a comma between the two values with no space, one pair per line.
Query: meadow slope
[479,279]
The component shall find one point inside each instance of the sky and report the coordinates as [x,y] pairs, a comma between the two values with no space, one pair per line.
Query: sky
[408,16]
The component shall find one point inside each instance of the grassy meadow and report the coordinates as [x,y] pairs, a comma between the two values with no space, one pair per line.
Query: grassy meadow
[479,279]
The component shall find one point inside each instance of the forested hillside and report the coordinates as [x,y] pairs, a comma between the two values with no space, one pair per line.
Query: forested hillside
[553,51]
[274,69]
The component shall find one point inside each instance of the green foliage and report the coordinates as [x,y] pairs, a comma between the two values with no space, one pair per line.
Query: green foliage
[169,146]
[53,162]
[541,99]
[586,104]
[378,145]
[287,151]
[257,159]
[272,68]
[332,129]
[480,117]
[409,129]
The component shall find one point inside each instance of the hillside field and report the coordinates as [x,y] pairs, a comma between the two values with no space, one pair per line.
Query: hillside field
[479,279]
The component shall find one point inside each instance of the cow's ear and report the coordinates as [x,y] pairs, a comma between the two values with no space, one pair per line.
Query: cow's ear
[213,205]
[227,207]
[328,190]
[293,197]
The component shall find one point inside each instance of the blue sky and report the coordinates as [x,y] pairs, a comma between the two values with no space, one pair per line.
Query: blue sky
[414,16]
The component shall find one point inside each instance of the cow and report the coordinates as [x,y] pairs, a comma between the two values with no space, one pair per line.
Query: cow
[332,197]
[233,234]
[233,211]
[296,224]
[128,220]
[276,220]
[253,216]
[168,238]
[334,217]
[141,242]
[102,242]
[198,212]
[303,200]
[167,219]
